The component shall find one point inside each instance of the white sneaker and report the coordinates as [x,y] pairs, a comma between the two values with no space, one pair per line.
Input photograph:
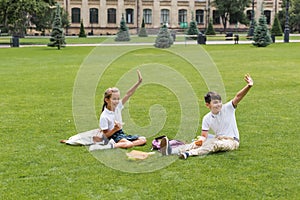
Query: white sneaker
[112,142]
[183,155]
[165,147]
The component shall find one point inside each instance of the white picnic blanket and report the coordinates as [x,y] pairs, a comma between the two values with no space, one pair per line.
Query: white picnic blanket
[86,138]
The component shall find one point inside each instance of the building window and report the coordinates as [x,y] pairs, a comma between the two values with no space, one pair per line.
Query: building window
[200,16]
[267,13]
[248,14]
[129,16]
[233,19]
[216,17]
[111,16]
[147,14]
[93,16]
[182,15]
[164,17]
[75,15]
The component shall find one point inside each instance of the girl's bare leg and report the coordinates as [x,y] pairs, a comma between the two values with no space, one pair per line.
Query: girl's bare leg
[128,144]
[140,141]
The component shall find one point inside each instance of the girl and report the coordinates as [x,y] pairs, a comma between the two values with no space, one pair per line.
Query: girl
[111,120]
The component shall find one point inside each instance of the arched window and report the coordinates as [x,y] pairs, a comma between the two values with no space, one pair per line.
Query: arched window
[111,16]
[147,14]
[75,15]
[93,15]
[249,15]
[129,16]
[164,16]
[182,16]
[200,16]
[267,13]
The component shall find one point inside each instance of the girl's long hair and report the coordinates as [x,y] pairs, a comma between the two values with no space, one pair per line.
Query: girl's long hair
[107,95]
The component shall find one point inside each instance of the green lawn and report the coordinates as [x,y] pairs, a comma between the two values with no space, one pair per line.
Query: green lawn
[41,90]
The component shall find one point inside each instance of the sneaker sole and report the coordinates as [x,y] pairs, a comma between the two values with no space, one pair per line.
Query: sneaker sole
[164,145]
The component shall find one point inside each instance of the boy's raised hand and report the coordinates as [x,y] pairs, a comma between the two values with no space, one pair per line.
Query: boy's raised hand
[249,80]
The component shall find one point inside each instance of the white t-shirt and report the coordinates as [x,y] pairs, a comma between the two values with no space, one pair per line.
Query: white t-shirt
[108,118]
[224,123]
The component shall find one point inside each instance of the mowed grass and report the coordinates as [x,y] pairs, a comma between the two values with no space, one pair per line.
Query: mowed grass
[36,112]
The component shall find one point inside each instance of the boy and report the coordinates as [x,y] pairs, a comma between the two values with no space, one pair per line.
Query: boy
[221,120]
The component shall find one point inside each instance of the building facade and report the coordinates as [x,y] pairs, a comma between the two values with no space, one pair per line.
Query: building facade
[104,16]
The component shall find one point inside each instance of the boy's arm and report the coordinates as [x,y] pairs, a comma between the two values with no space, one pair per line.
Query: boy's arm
[240,95]
[131,91]
[201,139]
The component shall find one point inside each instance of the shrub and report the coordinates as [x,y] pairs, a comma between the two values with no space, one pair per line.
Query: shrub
[81,32]
[276,28]
[143,31]
[261,35]
[164,38]
[57,38]
[123,34]
[210,29]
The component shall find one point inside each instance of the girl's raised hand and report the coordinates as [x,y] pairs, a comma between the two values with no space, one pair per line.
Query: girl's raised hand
[139,76]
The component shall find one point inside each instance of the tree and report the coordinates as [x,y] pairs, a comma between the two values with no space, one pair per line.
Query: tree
[44,18]
[276,27]
[193,29]
[295,16]
[16,15]
[164,38]
[143,31]
[57,38]
[210,29]
[123,33]
[232,10]
[261,37]
[82,31]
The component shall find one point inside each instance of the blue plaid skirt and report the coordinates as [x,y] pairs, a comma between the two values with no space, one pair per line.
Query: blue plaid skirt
[117,136]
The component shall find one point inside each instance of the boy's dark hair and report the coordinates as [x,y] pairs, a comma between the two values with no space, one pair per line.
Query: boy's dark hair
[212,96]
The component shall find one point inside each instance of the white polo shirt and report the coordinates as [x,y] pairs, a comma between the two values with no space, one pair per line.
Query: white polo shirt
[108,118]
[222,124]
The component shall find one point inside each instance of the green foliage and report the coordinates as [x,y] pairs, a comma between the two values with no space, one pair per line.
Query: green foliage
[294,15]
[44,18]
[143,31]
[193,29]
[210,29]
[143,23]
[57,37]
[164,38]
[276,28]
[14,14]
[261,37]
[123,34]
[82,31]
[233,9]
